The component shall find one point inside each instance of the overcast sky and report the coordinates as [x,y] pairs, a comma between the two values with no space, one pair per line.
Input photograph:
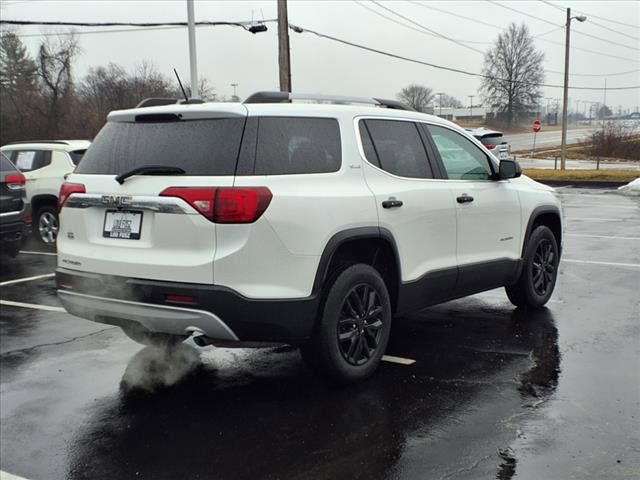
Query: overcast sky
[231,55]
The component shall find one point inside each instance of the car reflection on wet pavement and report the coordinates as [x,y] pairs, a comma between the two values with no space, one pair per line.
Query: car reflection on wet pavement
[495,392]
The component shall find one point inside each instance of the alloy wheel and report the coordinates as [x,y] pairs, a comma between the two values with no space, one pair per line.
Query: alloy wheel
[48,227]
[360,324]
[543,267]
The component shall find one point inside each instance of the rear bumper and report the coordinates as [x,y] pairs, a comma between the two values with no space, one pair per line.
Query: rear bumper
[14,231]
[218,312]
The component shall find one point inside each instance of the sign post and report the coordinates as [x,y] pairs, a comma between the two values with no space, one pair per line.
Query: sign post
[536,127]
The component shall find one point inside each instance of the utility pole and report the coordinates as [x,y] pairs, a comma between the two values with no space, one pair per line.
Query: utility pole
[471,106]
[440,94]
[234,85]
[284,62]
[193,63]
[580,18]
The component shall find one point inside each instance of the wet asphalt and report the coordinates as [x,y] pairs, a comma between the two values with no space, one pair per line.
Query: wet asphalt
[495,392]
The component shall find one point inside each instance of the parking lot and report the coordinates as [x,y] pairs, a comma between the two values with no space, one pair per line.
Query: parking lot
[493,393]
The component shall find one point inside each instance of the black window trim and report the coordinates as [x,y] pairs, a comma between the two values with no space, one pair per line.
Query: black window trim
[433,165]
[441,166]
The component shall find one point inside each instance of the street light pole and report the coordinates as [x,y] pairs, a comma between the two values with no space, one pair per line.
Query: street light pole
[440,94]
[580,18]
[284,60]
[193,64]
[471,106]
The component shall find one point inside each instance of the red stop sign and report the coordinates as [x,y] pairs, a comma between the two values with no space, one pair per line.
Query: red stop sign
[537,126]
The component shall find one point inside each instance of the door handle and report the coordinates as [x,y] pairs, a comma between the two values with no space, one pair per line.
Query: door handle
[464,198]
[392,203]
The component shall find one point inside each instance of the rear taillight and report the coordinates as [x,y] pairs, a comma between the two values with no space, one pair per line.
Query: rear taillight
[15,181]
[67,189]
[241,204]
[490,146]
[200,198]
[224,204]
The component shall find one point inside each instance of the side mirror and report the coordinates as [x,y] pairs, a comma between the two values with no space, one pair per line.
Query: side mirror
[509,169]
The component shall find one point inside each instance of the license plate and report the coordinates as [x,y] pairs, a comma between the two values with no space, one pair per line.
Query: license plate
[122,224]
[504,155]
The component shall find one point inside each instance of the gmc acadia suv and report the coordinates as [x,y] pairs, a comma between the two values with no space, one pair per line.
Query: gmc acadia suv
[312,224]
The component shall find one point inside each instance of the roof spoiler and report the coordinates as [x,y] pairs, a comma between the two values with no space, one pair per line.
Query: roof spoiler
[287,97]
[156,102]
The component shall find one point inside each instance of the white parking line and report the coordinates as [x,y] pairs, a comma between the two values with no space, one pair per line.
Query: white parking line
[27,279]
[611,264]
[612,237]
[38,253]
[35,306]
[9,476]
[400,360]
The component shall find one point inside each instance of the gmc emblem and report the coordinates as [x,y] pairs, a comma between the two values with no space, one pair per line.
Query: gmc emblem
[116,200]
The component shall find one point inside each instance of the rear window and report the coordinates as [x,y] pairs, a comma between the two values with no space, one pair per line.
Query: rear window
[5,164]
[200,147]
[290,145]
[492,139]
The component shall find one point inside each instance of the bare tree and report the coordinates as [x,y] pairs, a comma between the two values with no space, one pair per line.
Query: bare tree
[55,59]
[416,96]
[513,73]
[448,101]
[206,91]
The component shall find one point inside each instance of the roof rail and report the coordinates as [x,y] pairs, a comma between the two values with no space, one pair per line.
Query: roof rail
[58,142]
[286,97]
[156,102]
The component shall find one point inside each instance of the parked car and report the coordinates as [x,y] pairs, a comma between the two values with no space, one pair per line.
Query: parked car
[311,224]
[15,212]
[45,164]
[493,141]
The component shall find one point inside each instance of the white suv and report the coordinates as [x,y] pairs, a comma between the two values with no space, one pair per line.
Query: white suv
[312,224]
[44,165]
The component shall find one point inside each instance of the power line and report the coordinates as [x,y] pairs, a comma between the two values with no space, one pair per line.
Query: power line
[501,27]
[593,22]
[88,32]
[298,29]
[485,23]
[575,32]
[596,16]
[391,19]
[426,28]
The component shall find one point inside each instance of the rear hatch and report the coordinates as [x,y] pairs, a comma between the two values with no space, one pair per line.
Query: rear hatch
[12,191]
[156,223]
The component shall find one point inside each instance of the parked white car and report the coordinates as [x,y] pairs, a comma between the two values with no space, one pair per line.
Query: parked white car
[45,164]
[312,224]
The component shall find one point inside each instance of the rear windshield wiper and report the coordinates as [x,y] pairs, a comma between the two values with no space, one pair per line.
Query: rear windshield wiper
[150,170]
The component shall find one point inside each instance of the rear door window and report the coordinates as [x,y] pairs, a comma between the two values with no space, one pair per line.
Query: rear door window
[295,145]
[397,148]
[200,147]
[30,160]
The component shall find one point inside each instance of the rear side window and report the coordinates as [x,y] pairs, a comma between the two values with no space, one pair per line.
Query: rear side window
[200,147]
[29,160]
[397,148]
[76,156]
[291,145]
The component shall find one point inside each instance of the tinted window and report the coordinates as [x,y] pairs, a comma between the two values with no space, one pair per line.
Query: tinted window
[367,145]
[200,147]
[29,160]
[5,164]
[289,145]
[76,156]
[399,148]
[462,159]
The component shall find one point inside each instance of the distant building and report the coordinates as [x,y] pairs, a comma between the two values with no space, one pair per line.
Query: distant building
[465,113]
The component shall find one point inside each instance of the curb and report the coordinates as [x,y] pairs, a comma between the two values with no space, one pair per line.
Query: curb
[582,183]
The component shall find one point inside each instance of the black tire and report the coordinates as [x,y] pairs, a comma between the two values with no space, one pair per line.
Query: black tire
[364,326]
[152,339]
[534,287]
[47,225]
